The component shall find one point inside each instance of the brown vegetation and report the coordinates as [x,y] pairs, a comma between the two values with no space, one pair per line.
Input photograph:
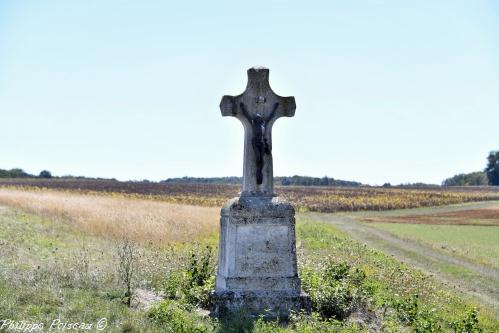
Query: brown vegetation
[482,217]
[118,216]
[318,199]
[487,214]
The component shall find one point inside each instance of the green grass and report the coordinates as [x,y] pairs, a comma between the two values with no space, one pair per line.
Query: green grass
[43,275]
[50,270]
[320,240]
[477,243]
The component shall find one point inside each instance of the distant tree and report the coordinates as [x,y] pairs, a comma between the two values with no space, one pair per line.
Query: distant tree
[45,174]
[467,179]
[492,168]
[285,181]
[14,173]
[387,185]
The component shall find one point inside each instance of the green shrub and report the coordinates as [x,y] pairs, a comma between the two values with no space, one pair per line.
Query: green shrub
[336,290]
[336,272]
[314,322]
[200,295]
[176,284]
[412,313]
[262,326]
[469,324]
[303,323]
[175,318]
[407,309]
[192,284]
[239,320]
[199,268]
[310,279]
[333,301]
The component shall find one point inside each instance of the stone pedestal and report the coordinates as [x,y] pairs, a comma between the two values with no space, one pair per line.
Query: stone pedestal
[257,270]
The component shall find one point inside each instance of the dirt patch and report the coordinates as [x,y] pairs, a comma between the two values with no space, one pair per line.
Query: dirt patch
[488,214]
[481,217]
[143,299]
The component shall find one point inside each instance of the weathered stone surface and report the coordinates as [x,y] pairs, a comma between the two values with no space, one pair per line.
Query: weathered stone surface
[257,260]
[257,270]
[257,241]
[253,206]
[258,107]
[270,303]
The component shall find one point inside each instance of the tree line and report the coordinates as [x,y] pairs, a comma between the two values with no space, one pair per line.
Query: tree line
[20,173]
[490,175]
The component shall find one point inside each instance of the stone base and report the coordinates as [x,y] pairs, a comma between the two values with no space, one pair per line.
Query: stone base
[270,304]
[257,271]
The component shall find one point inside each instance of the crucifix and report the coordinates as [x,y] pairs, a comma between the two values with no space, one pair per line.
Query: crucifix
[258,107]
[257,269]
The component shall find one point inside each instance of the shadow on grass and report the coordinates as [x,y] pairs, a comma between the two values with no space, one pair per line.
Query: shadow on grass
[244,322]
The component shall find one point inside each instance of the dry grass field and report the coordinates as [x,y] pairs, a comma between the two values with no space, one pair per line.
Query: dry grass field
[118,216]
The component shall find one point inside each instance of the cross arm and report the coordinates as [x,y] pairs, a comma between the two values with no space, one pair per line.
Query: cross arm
[233,106]
[258,98]
[228,106]
[287,107]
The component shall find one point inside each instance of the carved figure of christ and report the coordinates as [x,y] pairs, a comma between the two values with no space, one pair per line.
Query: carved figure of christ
[258,107]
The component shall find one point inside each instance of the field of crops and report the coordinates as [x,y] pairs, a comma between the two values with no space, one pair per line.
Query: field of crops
[469,232]
[318,199]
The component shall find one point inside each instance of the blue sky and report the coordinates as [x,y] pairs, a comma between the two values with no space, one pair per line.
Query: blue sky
[386,91]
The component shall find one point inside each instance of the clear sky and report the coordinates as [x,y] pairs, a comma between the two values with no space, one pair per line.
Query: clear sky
[386,91]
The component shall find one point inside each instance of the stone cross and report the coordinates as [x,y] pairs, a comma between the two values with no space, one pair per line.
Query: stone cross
[257,270]
[258,107]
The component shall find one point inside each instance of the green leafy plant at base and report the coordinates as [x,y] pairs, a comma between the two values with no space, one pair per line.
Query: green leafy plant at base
[412,313]
[192,284]
[469,324]
[199,266]
[176,319]
[305,323]
[336,290]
